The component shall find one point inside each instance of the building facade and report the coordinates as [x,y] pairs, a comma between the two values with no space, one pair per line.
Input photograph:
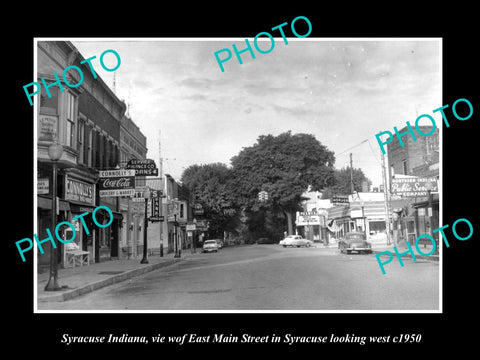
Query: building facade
[133,145]
[414,177]
[85,120]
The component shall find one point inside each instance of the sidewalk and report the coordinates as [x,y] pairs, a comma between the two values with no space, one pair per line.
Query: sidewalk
[81,280]
[402,247]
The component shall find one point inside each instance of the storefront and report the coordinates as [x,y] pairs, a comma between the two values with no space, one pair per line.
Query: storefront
[108,245]
[339,222]
[79,192]
[427,215]
[311,225]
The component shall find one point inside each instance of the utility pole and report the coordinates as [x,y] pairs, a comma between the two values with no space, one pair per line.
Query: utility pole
[160,200]
[387,200]
[351,174]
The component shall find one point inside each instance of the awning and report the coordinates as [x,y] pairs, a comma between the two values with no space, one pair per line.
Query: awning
[336,212]
[46,203]
[80,208]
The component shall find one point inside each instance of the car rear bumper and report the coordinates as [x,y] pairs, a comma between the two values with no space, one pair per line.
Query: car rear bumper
[358,249]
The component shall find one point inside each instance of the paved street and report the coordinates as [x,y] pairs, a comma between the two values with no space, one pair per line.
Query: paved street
[269,277]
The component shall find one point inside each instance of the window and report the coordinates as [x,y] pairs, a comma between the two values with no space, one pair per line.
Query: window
[88,146]
[81,142]
[70,128]
[49,105]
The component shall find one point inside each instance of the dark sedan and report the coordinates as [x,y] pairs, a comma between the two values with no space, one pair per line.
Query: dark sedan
[355,241]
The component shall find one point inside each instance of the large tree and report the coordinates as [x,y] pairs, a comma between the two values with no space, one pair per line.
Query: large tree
[342,183]
[284,166]
[207,184]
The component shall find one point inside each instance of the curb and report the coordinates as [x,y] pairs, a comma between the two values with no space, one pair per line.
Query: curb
[434,258]
[84,289]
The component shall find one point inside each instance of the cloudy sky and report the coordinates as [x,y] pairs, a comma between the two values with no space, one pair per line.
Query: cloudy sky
[342,91]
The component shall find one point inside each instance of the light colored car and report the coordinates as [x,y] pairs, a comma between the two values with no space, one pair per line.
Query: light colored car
[295,240]
[210,245]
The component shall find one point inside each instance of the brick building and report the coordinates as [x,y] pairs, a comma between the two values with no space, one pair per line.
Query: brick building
[416,164]
[85,120]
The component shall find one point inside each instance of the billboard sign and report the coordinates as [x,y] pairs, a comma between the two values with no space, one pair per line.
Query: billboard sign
[116,183]
[143,167]
[411,187]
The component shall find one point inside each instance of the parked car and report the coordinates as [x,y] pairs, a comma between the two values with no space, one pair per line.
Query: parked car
[210,245]
[354,241]
[295,240]
[265,240]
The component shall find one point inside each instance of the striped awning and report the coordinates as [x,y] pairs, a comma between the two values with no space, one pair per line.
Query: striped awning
[371,209]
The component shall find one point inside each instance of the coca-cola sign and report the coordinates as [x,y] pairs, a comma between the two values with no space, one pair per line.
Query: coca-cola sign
[120,183]
[116,183]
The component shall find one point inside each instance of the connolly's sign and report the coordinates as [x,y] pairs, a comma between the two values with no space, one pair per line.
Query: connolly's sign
[116,183]
[80,191]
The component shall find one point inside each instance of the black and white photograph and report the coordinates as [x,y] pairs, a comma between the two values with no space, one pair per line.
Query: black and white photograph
[240,184]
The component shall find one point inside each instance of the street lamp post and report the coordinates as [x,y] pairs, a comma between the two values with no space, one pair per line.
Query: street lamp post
[55,152]
[175,237]
[146,194]
[362,204]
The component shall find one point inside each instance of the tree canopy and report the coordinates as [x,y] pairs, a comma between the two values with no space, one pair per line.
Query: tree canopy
[207,185]
[342,183]
[284,166]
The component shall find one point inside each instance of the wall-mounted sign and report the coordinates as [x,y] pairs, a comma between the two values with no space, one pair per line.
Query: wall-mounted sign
[308,218]
[198,209]
[339,199]
[79,191]
[43,186]
[47,127]
[173,211]
[410,187]
[143,167]
[116,183]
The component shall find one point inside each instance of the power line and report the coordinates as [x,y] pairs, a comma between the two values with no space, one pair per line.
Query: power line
[344,151]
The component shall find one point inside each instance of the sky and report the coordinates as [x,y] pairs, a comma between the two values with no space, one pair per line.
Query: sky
[343,91]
